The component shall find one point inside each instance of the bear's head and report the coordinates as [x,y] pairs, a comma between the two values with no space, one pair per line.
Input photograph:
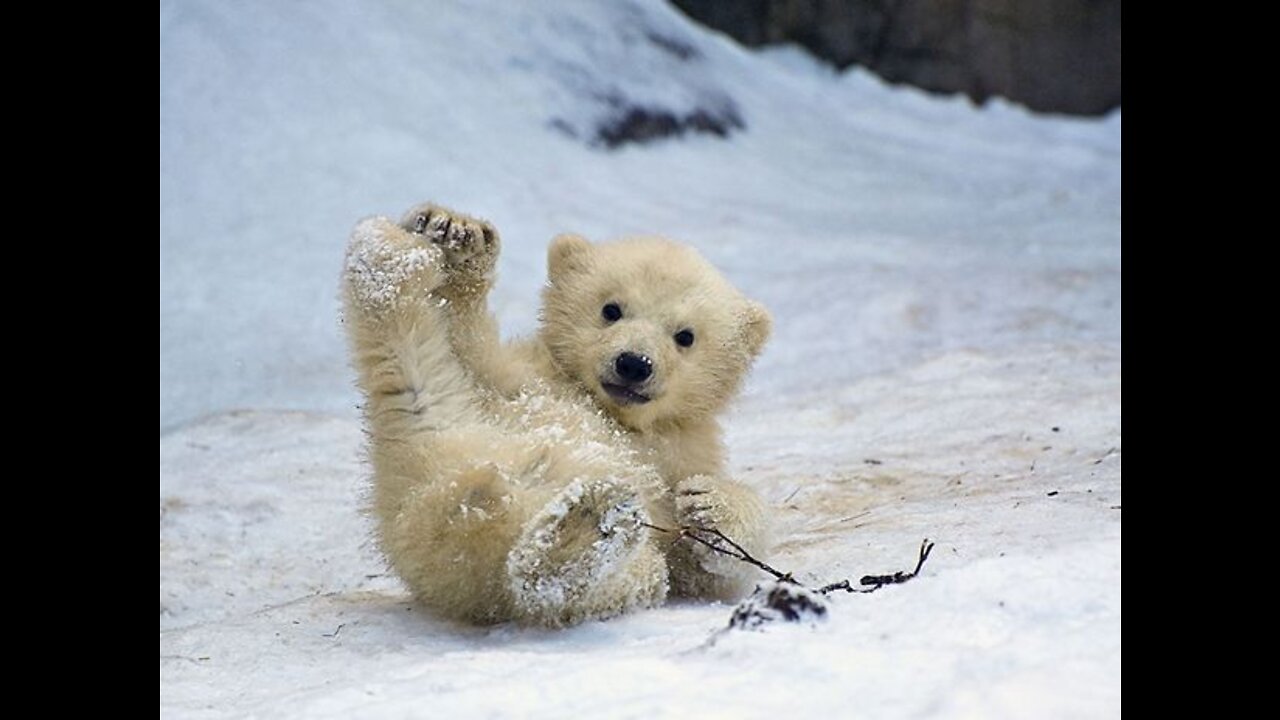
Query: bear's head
[649,328]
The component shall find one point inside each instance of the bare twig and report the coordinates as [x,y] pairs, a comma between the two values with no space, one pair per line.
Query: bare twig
[734,550]
[719,540]
[879,581]
[872,583]
[842,585]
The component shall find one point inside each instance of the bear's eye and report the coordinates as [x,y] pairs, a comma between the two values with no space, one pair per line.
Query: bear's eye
[611,312]
[684,338]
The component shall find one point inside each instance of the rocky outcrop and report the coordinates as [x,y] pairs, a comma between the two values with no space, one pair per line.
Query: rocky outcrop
[1050,55]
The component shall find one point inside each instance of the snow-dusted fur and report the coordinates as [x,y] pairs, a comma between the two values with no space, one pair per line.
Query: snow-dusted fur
[508,483]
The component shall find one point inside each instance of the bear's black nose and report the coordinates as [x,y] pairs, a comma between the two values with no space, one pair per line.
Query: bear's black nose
[632,367]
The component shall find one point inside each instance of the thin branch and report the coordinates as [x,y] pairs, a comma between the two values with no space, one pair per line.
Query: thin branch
[734,550]
[870,583]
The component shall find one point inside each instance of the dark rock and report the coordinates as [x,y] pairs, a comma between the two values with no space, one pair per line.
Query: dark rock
[642,125]
[778,600]
[1050,55]
[621,92]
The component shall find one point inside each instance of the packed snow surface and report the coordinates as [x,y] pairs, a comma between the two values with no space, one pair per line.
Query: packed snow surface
[945,284]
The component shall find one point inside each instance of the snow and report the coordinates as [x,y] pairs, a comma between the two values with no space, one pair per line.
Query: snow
[945,283]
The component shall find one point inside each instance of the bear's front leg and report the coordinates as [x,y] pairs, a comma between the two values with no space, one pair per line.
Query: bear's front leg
[469,248]
[412,379]
[703,501]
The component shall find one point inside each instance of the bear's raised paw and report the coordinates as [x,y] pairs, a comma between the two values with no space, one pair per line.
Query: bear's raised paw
[386,266]
[469,244]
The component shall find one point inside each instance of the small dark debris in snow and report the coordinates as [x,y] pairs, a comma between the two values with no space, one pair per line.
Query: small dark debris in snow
[778,600]
[873,461]
[1052,493]
[1115,507]
[1055,428]
[335,632]
[793,494]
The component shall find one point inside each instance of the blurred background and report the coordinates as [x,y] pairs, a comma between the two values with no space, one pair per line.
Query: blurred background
[881,222]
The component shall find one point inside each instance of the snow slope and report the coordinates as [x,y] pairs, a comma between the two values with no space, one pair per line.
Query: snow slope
[946,287]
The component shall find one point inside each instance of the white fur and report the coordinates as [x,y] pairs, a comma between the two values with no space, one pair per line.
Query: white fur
[507,483]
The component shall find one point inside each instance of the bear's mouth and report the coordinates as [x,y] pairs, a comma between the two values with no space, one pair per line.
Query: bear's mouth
[624,395]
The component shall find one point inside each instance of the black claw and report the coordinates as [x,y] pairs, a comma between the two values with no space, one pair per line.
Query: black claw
[420,223]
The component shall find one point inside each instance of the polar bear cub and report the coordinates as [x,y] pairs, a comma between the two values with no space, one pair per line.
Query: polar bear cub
[522,480]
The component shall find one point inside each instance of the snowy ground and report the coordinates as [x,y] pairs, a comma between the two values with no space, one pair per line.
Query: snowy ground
[947,363]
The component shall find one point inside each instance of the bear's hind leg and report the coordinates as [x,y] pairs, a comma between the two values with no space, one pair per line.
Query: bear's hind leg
[450,542]
[585,555]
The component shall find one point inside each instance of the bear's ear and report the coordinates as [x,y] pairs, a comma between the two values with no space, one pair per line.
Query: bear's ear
[756,327]
[567,253]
